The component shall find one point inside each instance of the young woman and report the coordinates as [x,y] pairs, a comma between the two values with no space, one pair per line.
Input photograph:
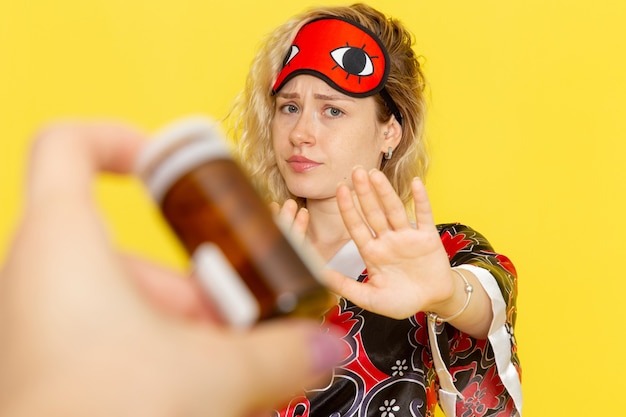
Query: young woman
[330,125]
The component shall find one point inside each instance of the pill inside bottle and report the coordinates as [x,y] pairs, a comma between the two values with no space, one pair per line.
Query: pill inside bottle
[248,267]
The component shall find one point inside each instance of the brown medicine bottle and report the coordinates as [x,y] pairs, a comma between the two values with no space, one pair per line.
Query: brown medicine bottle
[249,268]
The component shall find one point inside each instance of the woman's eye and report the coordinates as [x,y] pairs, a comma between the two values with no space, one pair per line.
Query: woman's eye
[290,108]
[334,112]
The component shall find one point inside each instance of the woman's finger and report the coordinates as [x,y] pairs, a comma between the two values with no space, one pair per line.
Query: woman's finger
[423,211]
[292,219]
[169,291]
[393,207]
[66,157]
[288,210]
[369,202]
[301,223]
[281,359]
[356,226]
[62,228]
[274,208]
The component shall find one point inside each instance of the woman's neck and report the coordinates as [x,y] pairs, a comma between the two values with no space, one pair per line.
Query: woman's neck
[326,232]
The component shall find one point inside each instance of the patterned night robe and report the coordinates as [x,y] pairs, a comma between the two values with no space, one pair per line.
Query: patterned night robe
[404,367]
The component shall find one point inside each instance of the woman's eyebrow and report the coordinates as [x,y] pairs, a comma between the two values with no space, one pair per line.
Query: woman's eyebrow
[333,97]
[288,95]
[317,96]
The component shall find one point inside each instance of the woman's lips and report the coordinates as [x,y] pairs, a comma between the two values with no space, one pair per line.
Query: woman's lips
[301,164]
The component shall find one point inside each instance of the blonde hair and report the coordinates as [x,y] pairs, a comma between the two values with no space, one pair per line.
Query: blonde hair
[254,108]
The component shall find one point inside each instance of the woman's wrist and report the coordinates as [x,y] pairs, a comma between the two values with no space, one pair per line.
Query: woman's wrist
[467,288]
[474,306]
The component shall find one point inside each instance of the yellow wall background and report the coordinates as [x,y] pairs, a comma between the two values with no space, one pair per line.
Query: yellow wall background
[527,122]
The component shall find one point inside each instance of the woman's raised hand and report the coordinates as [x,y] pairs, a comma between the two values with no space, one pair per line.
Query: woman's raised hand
[408,268]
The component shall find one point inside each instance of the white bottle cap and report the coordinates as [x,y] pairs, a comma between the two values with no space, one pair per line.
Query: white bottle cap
[178,148]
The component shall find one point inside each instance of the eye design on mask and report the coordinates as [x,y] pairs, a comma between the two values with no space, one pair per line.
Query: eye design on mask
[353,60]
[293,51]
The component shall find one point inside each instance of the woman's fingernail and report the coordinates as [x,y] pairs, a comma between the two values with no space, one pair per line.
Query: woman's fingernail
[327,351]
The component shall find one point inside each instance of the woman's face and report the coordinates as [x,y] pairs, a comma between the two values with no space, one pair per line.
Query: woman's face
[319,135]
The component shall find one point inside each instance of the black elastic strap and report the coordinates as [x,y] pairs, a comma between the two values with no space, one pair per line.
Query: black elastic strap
[391,105]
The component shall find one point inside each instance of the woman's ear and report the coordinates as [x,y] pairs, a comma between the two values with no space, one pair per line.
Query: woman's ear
[393,134]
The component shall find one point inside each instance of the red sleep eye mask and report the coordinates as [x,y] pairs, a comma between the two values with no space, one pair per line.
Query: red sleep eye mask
[344,54]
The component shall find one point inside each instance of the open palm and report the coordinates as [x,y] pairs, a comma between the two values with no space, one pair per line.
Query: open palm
[408,269]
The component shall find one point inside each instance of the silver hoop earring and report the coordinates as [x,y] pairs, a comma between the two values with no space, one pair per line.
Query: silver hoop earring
[389,153]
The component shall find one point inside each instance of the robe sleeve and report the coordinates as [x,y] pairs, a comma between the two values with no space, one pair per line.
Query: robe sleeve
[479,377]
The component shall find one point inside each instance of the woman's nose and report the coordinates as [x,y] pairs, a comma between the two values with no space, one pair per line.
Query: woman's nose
[303,132]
